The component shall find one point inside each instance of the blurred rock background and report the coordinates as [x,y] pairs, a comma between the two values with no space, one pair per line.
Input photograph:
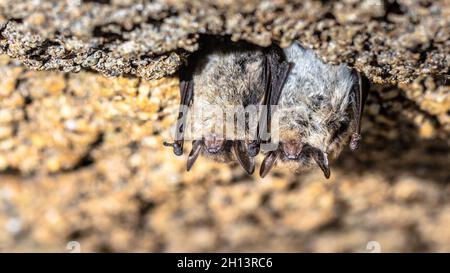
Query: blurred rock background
[81,155]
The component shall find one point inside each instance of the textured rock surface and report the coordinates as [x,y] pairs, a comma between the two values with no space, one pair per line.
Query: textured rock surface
[81,159]
[81,156]
[397,42]
[392,41]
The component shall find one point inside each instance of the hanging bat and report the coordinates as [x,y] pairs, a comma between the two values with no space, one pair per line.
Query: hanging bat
[319,109]
[218,77]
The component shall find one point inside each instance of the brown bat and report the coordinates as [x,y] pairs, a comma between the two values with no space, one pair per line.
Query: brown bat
[220,77]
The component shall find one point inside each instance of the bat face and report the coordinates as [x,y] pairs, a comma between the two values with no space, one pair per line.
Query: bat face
[319,107]
[214,144]
[312,139]
[219,84]
[230,151]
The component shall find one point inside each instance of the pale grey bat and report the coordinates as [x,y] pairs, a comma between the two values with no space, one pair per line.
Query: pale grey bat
[318,111]
[217,78]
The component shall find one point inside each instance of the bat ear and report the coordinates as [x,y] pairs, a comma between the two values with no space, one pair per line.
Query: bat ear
[268,163]
[196,148]
[320,157]
[360,92]
[242,154]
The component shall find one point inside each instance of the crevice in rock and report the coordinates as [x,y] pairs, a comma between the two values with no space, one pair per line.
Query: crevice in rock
[87,159]
[104,2]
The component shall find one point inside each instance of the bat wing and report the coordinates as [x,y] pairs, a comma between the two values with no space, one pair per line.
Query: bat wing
[360,92]
[276,72]
[187,95]
[279,70]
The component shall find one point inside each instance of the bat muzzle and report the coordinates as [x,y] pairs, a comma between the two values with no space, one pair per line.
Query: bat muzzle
[292,150]
[214,145]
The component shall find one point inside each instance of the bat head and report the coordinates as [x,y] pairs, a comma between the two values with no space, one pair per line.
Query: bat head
[214,144]
[222,150]
[299,157]
[309,136]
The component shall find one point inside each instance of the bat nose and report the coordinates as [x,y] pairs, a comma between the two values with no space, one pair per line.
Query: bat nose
[292,150]
[213,150]
[253,148]
[214,144]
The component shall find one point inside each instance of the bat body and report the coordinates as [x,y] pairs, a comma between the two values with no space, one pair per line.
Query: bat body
[216,87]
[225,81]
[318,111]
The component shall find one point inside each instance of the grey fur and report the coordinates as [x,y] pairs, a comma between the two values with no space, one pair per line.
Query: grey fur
[314,106]
[227,78]
[223,79]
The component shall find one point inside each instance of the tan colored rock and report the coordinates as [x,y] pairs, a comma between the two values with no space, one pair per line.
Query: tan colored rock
[81,155]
